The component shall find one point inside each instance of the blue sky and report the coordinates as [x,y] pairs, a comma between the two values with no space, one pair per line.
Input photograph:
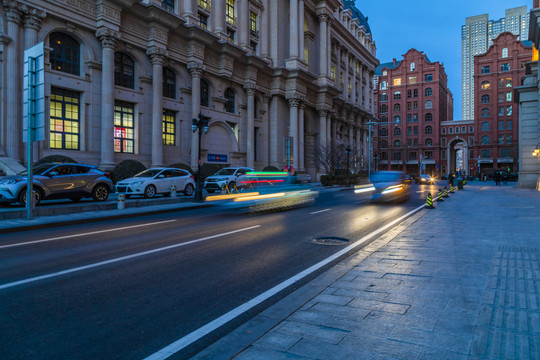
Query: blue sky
[431,26]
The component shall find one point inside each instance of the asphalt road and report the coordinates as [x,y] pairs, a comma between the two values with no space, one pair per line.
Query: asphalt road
[124,289]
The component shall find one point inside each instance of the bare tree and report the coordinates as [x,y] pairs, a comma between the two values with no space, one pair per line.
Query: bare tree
[333,158]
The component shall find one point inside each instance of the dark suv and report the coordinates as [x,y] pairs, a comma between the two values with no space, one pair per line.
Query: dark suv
[55,181]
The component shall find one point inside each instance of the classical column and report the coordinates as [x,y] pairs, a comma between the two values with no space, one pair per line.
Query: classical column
[266,154]
[323,42]
[301,136]
[329,138]
[346,79]
[157,57]
[323,113]
[195,69]
[301,29]
[218,13]
[274,24]
[250,131]
[294,103]
[293,26]
[274,132]
[360,83]
[350,133]
[108,40]
[188,8]
[353,85]
[263,40]
[243,23]
[13,134]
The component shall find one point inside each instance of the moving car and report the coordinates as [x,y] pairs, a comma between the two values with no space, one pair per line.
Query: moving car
[226,176]
[153,181]
[386,186]
[56,181]
[425,179]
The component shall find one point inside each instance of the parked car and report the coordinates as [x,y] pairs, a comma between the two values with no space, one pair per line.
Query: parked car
[153,181]
[56,181]
[226,176]
[386,186]
[425,179]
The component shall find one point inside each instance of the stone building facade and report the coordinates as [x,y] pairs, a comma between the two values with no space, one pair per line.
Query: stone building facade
[412,99]
[125,78]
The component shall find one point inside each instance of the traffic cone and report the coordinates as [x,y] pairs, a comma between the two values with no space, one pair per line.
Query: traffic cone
[429,202]
[446,192]
[440,196]
[452,189]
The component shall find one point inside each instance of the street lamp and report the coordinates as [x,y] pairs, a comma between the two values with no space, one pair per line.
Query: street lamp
[201,125]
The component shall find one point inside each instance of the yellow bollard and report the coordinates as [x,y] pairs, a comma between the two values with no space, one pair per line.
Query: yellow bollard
[429,202]
[173,191]
[121,204]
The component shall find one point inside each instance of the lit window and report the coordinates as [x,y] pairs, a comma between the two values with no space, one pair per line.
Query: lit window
[169,128]
[253,24]
[485,85]
[412,79]
[229,12]
[397,82]
[124,127]
[230,35]
[64,119]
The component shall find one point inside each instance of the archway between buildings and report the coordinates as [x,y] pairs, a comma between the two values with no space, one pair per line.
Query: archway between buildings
[457,158]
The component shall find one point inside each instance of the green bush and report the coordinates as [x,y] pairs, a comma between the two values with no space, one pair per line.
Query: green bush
[55,159]
[326,180]
[207,170]
[271,168]
[181,166]
[126,169]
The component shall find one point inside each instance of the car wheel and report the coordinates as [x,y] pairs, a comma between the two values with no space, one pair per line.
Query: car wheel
[37,197]
[150,191]
[100,193]
[75,199]
[188,191]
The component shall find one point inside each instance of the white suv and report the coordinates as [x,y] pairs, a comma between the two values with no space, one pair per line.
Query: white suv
[225,176]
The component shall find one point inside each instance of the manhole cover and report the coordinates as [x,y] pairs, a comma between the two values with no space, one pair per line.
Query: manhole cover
[330,240]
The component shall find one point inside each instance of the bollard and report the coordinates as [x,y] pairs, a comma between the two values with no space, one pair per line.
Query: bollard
[121,201]
[440,196]
[451,189]
[446,192]
[173,191]
[429,202]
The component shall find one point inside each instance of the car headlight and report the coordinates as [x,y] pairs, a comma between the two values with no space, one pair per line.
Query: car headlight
[9,181]
[392,189]
[136,183]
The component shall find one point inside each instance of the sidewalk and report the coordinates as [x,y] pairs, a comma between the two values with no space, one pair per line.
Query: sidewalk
[458,282]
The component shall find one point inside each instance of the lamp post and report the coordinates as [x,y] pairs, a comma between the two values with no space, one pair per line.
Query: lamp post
[201,125]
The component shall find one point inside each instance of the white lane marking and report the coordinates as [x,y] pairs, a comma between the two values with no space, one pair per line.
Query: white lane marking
[190,338]
[84,234]
[106,262]
[320,211]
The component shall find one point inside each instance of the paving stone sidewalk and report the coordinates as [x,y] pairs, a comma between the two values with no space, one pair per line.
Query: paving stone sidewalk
[461,282]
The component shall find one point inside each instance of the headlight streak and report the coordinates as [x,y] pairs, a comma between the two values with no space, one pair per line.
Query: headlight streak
[258,197]
[229,196]
[364,188]
[392,189]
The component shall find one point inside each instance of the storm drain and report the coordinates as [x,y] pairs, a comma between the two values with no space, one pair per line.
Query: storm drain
[331,240]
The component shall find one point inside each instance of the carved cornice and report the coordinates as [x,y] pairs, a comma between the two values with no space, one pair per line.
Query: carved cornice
[108,37]
[196,69]
[14,11]
[250,88]
[33,17]
[157,55]
[323,15]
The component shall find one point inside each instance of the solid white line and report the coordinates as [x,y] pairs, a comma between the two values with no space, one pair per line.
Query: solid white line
[190,338]
[320,211]
[84,234]
[106,262]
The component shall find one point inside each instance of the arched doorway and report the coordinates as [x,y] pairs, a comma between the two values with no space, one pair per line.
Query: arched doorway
[457,157]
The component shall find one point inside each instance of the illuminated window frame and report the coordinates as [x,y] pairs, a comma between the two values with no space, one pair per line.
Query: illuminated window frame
[124,127]
[169,128]
[64,120]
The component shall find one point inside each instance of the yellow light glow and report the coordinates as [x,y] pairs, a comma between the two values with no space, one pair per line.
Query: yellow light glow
[229,196]
[258,197]
[535,54]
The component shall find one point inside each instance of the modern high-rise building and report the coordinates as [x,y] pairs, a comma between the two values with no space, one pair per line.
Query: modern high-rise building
[476,37]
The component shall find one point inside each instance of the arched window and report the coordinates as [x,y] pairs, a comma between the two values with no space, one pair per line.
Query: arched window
[484,112]
[457,129]
[397,95]
[485,126]
[205,93]
[485,85]
[471,129]
[428,92]
[230,100]
[443,130]
[384,85]
[412,66]
[397,107]
[65,54]
[428,130]
[124,70]
[484,99]
[384,143]
[397,119]
[505,52]
[428,117]
[169,83]
[384,97]
[384,132]
[428,105]
[384,109]
[396,143]
[429,142]
[384,119]
[485,140]
[397,131]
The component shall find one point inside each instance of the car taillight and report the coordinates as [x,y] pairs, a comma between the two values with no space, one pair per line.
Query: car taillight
[193,177]
[108,174]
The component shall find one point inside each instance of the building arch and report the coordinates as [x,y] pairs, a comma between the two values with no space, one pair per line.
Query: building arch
[457,147]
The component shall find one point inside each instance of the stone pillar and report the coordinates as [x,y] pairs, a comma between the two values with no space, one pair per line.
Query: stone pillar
[301,28]
[346,79]
[294,103]
[360,83]
[188,9]
[108,40]
[301,136]
[350,133]
[32,23]
[250,131]
[266,154]
[293,26]
[243,23]
[195,69]
[218,13]
[323,113]
[274,24]
[274,132]
[329,138]
[157,57]
[13,134]
[353,85]
[323,42]
[263,40]
[338,67]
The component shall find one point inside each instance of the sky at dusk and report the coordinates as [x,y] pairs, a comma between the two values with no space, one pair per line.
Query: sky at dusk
[431,26]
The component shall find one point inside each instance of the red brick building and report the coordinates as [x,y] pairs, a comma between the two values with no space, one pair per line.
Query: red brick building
[497,73]
[412,98]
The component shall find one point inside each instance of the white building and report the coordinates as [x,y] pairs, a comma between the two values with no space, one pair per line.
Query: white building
[476,37]
[124,78]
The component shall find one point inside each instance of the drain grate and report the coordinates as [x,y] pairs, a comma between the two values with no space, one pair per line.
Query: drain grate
[330,240]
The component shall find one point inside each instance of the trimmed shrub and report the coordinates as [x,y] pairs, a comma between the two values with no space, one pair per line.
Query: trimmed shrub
[271,168]
[325,180]
[207,170]
[181,166]
[126,169]
[55,159]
